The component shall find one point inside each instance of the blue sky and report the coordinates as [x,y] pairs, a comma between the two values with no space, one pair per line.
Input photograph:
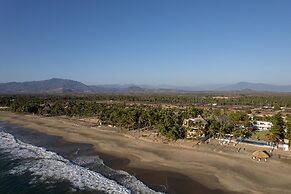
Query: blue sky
[182,42]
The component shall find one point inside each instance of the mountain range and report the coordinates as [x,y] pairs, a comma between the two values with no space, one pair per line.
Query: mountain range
[56,85]
[261,87]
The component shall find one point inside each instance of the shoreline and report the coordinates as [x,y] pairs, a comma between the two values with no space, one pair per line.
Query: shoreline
[159,180]
[223,170]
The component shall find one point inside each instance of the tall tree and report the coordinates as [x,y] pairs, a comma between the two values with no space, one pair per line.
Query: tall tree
[288,130]
[277,131]
[213,128]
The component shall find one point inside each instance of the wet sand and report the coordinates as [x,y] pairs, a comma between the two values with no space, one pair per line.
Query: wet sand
[183,170]
[163,181]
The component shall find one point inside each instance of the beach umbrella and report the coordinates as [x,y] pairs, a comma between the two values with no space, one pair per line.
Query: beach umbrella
[260,154]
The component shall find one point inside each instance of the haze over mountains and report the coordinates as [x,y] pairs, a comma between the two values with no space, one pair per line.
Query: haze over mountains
[56,85]
[256,87]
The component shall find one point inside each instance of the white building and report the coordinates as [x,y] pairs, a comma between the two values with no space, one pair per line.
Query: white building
[262,125]
[192,125]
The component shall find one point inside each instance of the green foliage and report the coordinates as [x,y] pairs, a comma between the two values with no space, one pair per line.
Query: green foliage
[238,116]
[167,121]
[213,127]
[238,133]
[145,111]
[277,131]
[261,135]
[247,133]
[288,130]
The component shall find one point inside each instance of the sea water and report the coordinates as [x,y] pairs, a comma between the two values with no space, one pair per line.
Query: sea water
[27,168]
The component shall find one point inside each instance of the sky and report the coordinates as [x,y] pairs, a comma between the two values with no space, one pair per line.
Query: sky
[154,42]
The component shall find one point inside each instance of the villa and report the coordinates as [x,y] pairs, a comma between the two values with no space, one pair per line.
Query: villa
[194,125]
[262,125]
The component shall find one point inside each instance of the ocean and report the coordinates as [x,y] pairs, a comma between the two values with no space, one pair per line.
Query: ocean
[34,162]
[29,168]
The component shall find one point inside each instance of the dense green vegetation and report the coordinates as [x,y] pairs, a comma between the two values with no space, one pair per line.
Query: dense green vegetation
[168,121]
[257,100]
[144,111]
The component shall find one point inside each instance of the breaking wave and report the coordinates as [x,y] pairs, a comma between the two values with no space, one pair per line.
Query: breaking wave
[49,167]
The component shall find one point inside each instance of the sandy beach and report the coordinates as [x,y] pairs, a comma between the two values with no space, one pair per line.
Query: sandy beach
[214,166]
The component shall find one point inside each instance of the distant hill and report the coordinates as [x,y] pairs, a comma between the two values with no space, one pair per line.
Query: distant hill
[116,88]
[53,85]
[56,85]
[247,86]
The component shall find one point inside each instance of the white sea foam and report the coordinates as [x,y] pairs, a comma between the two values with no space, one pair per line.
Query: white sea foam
[84,160]
[48,166]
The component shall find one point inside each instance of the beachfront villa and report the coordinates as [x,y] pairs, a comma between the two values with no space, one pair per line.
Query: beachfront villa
[284,145]
[193,126]
[262,125]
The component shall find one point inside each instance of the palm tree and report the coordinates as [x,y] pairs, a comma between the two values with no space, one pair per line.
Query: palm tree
[221,130]
[273,135]
[238,133]
[288,130]
[213,128]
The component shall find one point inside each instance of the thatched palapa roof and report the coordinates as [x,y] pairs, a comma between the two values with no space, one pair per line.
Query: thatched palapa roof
[261,154]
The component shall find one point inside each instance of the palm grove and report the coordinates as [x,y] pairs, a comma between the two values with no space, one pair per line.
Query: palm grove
[151,115]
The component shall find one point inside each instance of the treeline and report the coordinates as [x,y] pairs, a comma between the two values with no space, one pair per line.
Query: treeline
[167,120]
[179,99]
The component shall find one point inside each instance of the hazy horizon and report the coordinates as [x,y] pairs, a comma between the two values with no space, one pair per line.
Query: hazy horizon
[176,43]
[193,87]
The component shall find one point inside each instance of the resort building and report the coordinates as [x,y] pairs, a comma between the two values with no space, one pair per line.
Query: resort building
[284,145]
[262,125]
[194,126]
